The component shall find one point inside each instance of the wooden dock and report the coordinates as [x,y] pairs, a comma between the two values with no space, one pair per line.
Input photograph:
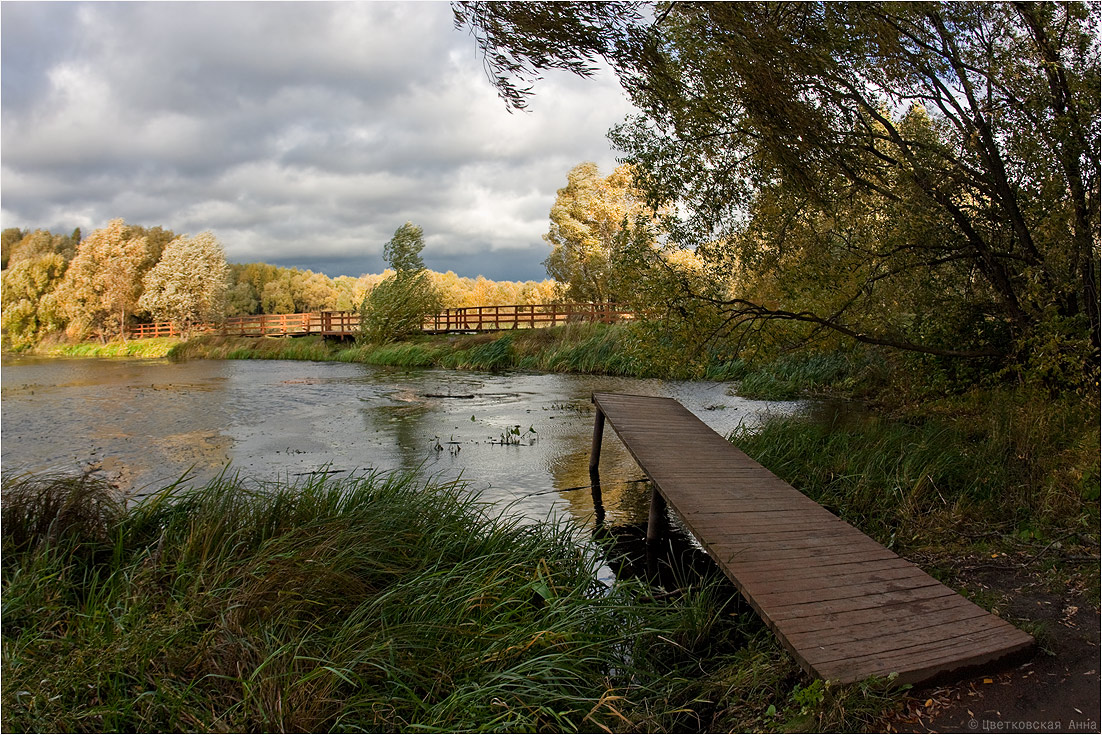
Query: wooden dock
[843,605]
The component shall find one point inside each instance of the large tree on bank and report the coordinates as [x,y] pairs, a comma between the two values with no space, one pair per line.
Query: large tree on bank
[103,283]
[918,175]
[188,285]
[592,217]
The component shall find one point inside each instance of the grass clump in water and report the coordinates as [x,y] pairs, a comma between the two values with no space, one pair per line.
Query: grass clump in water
[377,603]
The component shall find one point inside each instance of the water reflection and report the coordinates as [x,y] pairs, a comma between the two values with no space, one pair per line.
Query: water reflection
[402,425]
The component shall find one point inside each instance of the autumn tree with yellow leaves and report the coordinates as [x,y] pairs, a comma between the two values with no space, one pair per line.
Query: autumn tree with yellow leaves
[30,307]
[104,281]
[592,219]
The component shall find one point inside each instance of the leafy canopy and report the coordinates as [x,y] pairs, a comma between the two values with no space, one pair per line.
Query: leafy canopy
[923,176]
[103,283]
[187,286]
[30,307]
[591,221]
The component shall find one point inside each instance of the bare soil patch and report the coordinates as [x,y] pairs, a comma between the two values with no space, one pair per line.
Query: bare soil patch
[1055,690]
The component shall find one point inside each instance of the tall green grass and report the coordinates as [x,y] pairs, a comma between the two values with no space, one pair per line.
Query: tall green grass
[253,348]
[987,465]
[150,348]
[794,375]
[377,603]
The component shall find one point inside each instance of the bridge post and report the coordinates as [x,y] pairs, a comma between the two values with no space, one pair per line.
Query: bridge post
[594,461]
[657,516]
[598,434]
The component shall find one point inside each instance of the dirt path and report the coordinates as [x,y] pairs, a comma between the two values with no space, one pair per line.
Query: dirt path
[1056,690]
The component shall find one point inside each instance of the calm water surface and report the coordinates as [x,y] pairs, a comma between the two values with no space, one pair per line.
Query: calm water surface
[145,423]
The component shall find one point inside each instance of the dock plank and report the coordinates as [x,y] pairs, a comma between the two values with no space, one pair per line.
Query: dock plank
[842,604]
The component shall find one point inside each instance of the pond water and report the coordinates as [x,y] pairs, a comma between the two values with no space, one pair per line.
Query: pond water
[517,438]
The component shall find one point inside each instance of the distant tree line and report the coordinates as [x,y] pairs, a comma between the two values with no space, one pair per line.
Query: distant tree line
[74,287]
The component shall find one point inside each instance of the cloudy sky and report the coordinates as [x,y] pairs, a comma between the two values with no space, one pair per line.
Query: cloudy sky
[300,134]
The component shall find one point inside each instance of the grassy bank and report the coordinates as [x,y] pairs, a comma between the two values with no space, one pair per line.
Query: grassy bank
[377,604]
[993,469]
[151,348]
[597,349]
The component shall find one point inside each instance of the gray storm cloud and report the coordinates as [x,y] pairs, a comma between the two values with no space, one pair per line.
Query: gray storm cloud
[299,133]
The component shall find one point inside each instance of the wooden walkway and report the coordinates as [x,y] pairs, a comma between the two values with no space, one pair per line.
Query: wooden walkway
[339,324]
[843,605]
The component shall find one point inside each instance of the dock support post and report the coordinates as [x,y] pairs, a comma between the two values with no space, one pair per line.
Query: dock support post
[657,516]
[598,434]
[598,499]
[594,462]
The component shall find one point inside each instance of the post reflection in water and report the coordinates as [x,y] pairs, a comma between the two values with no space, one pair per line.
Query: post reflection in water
[598,501]
[653,549]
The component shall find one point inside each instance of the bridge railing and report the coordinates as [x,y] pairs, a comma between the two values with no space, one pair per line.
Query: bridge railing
[158,329]
[267,325]
[523,316]
[347,323]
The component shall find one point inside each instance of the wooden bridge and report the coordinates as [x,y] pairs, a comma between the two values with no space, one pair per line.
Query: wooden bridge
[843,605]
[347,323]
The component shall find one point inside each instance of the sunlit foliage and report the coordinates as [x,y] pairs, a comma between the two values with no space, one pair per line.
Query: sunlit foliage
[30,306]
[591,219]
[457,292]
[188,284]
[924,177]
[104,281]
[8,240]
[39,243]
